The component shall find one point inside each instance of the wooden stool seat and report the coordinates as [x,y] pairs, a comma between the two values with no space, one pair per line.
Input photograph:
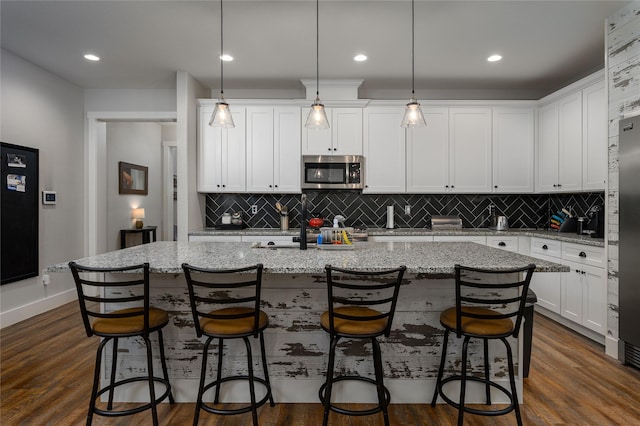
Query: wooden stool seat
[158,318]
[231,327]
[355,327]
[477,326]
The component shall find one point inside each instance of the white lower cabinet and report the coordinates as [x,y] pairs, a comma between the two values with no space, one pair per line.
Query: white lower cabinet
[579,295]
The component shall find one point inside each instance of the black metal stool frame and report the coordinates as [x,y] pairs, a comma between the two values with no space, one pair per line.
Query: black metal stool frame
[196,301]
[78,273]
[325,391]
[495,299]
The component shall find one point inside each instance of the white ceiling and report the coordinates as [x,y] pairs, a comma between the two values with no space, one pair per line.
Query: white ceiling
[545,44]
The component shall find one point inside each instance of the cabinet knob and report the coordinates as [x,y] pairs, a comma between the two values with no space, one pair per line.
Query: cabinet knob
[555,186]
[584,273]
[218,186]
[502,244]
[559,185]
[446,186]
[224,186]
[453,186]
[582,254]
[329,149]
[270,186]
[544,247]
[335,149]
[276,186]
[577,272]
[495,186]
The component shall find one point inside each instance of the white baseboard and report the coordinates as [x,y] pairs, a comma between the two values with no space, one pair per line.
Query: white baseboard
[37,307]
[611,347]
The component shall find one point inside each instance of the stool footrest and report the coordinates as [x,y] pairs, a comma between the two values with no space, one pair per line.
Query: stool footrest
[246,409]
[147,406]
[479,412]
[377,409]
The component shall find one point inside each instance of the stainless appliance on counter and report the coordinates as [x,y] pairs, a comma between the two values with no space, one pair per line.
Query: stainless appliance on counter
[629,245]
[332,172]
[446,222]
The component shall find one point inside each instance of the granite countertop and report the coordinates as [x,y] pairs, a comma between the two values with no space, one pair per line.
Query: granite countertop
[553,235]
[419,258]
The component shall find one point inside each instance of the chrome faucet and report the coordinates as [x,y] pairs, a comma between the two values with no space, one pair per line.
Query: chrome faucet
[303,222]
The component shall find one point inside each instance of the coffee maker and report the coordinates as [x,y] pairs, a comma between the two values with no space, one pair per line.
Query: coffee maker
[596,217]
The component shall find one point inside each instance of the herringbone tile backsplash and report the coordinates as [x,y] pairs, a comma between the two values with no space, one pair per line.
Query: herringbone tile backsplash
[523,211]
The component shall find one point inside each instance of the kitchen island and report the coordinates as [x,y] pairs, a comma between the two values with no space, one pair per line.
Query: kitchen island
[294,296]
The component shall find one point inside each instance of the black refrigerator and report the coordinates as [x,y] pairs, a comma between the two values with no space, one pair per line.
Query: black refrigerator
[629,240]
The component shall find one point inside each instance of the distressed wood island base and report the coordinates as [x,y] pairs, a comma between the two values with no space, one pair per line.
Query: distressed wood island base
[294,296]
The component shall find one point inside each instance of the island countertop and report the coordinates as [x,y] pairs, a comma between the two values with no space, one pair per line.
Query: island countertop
[419,258]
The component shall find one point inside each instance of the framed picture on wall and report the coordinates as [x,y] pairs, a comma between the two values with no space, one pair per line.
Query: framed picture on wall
[133,179]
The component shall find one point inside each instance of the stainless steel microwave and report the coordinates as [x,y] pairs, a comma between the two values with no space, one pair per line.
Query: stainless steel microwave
[332,172]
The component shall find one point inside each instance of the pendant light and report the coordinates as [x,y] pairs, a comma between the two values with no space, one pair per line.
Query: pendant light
[221,116]
[412,113]
[317,118]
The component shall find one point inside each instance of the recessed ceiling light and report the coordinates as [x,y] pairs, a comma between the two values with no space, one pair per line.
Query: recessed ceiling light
[360,58]
[226,58]
[494,58]
[91,57]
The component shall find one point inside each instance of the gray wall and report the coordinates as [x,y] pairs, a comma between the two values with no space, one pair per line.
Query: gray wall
[42,111]
[623,66]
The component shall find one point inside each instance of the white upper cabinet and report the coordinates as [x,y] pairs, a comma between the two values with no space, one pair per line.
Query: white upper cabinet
[470,150]
[560,145]
[221,154]
[343,137]
[572,140]
[273,149]
[384,150]
[513,150]
[594,134]
[428,153]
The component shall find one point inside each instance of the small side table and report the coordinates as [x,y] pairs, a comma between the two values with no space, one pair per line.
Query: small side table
[147,232]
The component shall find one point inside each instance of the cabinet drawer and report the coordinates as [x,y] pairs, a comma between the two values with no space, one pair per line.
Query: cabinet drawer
[541,246]
[583,255]
[504,243]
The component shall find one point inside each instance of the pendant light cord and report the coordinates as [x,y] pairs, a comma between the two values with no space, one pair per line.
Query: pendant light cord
[413,51]
[317,49]
[221,53]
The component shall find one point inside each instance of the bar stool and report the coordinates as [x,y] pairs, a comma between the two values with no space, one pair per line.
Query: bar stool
[125,321]
[478,292]
[235,321]
[352,296]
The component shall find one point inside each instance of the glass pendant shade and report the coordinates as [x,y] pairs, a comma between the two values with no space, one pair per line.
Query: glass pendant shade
[317,118]
[413,116]
[221,116]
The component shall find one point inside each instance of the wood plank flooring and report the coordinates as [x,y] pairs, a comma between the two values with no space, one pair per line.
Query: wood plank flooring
[47,366]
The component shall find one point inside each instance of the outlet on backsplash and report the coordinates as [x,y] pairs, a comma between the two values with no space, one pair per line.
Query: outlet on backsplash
[407,210]
[254,209]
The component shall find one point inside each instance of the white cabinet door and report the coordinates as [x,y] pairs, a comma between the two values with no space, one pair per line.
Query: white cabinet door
[273,149]
[547,287]
[384,150]
[343,137]
[547,153]
[347,131]
[428,153]
[286,156]
[570,147]
[260,150]
[470,149]
[221,154]
[513,148]
[572,294]
[594,299]
[594,137]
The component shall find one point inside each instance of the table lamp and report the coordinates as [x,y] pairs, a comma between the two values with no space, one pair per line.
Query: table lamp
[138,215]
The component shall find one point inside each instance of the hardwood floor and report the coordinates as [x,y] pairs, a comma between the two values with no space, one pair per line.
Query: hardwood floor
[47,365]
